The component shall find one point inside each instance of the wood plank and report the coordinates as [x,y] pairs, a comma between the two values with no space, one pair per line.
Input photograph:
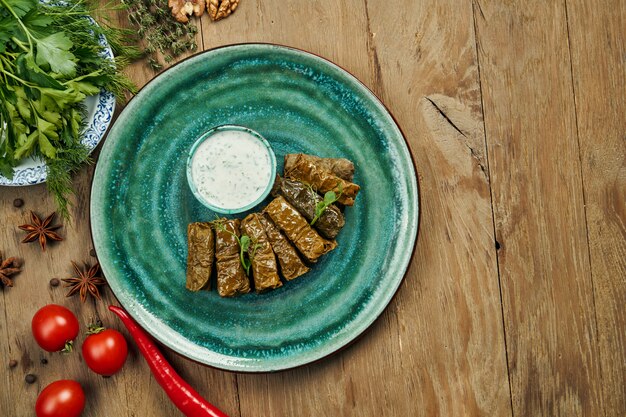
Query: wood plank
[439,348]
[599,74]
[449,323]
[538,205]
[32,291]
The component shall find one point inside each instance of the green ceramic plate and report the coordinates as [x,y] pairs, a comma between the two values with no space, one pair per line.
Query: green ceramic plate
[141,205]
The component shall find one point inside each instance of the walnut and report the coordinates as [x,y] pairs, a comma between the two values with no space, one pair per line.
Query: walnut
[182,9]
[219,9]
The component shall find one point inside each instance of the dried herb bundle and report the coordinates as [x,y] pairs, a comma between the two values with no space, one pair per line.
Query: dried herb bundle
[163,35]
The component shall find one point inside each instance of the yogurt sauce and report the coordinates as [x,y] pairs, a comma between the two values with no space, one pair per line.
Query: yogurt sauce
[231,169]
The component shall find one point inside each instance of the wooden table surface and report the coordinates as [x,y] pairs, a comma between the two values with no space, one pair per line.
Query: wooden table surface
[514,303]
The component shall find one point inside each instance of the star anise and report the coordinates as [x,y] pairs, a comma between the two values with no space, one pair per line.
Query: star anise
[8,267]
[41,230]
[85,281]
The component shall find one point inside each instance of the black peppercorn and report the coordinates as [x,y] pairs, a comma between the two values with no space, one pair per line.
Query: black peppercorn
[18,202]
[30,378]
[54,282]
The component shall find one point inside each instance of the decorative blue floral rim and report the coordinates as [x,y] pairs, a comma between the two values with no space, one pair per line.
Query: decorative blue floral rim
[206,135]
[34,171]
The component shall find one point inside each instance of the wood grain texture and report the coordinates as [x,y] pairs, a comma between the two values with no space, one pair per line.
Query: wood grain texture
[598,45]
[530,125]
[534,328]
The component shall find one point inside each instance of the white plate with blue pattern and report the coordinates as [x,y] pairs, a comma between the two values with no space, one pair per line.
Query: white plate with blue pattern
[100,108]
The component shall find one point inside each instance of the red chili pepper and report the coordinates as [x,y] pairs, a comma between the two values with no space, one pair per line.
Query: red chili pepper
[180,392]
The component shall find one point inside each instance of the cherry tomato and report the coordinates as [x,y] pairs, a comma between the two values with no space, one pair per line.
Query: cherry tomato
[64,398]
[105,351]
[53,326]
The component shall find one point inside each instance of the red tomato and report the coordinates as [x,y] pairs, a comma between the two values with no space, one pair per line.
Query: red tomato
[53,326]
[105,352]
[64,398]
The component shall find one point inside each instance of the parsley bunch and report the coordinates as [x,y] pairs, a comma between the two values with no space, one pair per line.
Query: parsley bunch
[50,61]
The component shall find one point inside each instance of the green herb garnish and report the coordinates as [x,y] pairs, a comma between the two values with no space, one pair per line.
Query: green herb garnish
[50,61]
[329,198]
[244,242]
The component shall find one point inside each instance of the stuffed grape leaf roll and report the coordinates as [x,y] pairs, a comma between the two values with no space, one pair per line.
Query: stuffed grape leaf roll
[304,199]
[291,266]
[310,244]
[264,267]
[322,180]
[200,253]
[231,277]
[341,167]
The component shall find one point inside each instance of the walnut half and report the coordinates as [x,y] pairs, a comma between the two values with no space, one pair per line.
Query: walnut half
[219,9]
[182,9]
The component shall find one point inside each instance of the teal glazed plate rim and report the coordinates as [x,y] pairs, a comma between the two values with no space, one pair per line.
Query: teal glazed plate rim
[141,205]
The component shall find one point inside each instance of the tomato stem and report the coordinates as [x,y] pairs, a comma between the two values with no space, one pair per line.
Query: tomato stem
[69,347]
[95,329]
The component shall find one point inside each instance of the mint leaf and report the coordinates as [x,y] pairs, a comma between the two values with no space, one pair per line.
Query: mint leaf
[54,51]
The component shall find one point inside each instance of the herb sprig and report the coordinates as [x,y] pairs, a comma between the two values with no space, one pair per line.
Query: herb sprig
[164,37]
[329,198]
[244,241]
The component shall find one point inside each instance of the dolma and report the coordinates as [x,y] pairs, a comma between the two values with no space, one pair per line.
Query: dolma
[310,244]
[301,168]
[291,266]
[231,278]
[264,268]
[304,199]
[341,167]
[200,253]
